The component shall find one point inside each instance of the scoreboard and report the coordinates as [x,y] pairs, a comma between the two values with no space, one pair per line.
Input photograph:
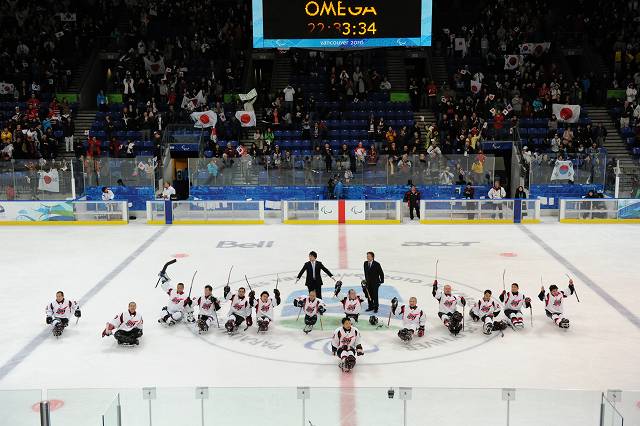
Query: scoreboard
[341,23]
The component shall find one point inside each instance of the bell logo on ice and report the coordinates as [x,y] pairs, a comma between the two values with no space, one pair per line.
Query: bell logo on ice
[286,342]
[225,244]
[439,243]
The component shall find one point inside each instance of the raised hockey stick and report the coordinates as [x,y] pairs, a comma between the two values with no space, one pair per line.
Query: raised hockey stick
[229,276]
[574,290]
[164,269]
[191,286]
[463,306]
[245,278]
[504,271]
[437,260]
[277,280]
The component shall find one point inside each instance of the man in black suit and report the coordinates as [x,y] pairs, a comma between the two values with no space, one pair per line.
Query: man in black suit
[313,269]
[374,277]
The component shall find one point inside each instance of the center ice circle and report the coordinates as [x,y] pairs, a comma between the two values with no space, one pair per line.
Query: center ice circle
[285,341]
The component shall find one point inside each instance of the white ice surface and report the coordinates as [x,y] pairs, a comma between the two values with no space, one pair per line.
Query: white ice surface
[598,352]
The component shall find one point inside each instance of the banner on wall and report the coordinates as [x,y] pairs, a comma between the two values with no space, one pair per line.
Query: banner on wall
[36,211]
[327,210]
[355,210]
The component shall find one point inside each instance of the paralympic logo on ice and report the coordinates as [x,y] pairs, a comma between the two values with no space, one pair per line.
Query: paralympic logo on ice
[285,341]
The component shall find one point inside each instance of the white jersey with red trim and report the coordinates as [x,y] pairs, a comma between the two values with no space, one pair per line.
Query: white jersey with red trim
[126,321]
[176,298]
[554,304]
[513,302]
[265,309]
[447,303]
[352,306]
[205,305]
[484,308]
[349,338]
[412,318]
[310,307]
[239,306]
[64,309]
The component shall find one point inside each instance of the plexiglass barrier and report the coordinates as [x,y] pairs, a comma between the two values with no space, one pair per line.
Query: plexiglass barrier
[467,211]
[213,211]
[195,406]
[600,210]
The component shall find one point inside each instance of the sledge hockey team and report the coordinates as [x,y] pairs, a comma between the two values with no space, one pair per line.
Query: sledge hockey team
[346,344]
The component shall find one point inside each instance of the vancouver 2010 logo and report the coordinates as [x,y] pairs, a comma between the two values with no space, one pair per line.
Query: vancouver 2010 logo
[286,342]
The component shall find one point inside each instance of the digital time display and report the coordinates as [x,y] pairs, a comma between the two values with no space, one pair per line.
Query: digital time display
[341,23]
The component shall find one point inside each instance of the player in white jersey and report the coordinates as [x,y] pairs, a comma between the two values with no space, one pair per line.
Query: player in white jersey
[486,310]
[264,307]
[59,311]
[553,303]
[513,302]
[352,305]
[346,344]
[207,306]
[413,318]
[179,303]
[127,326]
[312,306]
[447,307]
[239,311]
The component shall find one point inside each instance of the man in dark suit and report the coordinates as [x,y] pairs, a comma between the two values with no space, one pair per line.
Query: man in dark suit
[313,268]
[374,277]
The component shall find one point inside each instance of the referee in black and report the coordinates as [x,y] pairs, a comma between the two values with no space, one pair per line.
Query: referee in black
[374,276]
[313,268]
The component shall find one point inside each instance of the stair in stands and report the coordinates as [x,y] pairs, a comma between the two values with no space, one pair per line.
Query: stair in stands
[84,120]
[424,118]
[396,69]
[439,70]
[281,72]
[616,148]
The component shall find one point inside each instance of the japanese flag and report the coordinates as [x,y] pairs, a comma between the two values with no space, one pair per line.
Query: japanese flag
[246,118]
[475,86]
[566,113]
[204,119]
[49,181]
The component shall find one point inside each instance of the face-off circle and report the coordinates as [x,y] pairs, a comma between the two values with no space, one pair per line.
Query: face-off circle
[285,341]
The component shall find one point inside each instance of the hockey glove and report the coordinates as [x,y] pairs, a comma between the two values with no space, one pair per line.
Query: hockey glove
[527,302]
[105,332]
[295,302]
[252,294]
[463,301]
[359,350]
[321,310]
[572,289]
[249,321]
[187,302]
[227,289]
[49,320]
[77,313]
[276,292]
[421,331]
[394,305]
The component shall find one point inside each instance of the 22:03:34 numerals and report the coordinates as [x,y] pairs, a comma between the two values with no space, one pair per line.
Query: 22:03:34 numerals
[344,28]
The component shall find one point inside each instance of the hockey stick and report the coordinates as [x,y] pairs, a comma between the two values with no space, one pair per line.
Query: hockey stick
[164,269]
[299,313]
[574,290]
[531,315]
[229,276]
[245,278]
[504,271]
[191,286]
[321,327]
[463,306]
[437,260]
[277,280]
[389,320]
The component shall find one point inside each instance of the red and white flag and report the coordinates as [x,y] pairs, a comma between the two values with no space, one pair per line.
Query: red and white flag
[6,88]
[475,86]
[193,103]
[49,181]
[566,113]
[246,118]
[512,62]
[204,119]
[534,48]
[154,67]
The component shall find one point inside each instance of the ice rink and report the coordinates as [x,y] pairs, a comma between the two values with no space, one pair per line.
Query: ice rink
[106,267]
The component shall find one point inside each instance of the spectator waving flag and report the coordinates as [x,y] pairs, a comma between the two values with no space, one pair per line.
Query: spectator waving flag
[193,103]
[562,170]
[475,86]
[155,67]
[49,181]
[6,88]
[512,62]
[246,118]
[534,48]
[204,119]
[566,113]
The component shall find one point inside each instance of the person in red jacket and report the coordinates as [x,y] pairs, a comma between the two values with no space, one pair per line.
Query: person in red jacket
[94,147]
[412,198]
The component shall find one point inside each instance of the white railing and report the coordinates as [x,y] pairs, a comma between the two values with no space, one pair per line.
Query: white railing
[479,211]
[599,210]
[220,212]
